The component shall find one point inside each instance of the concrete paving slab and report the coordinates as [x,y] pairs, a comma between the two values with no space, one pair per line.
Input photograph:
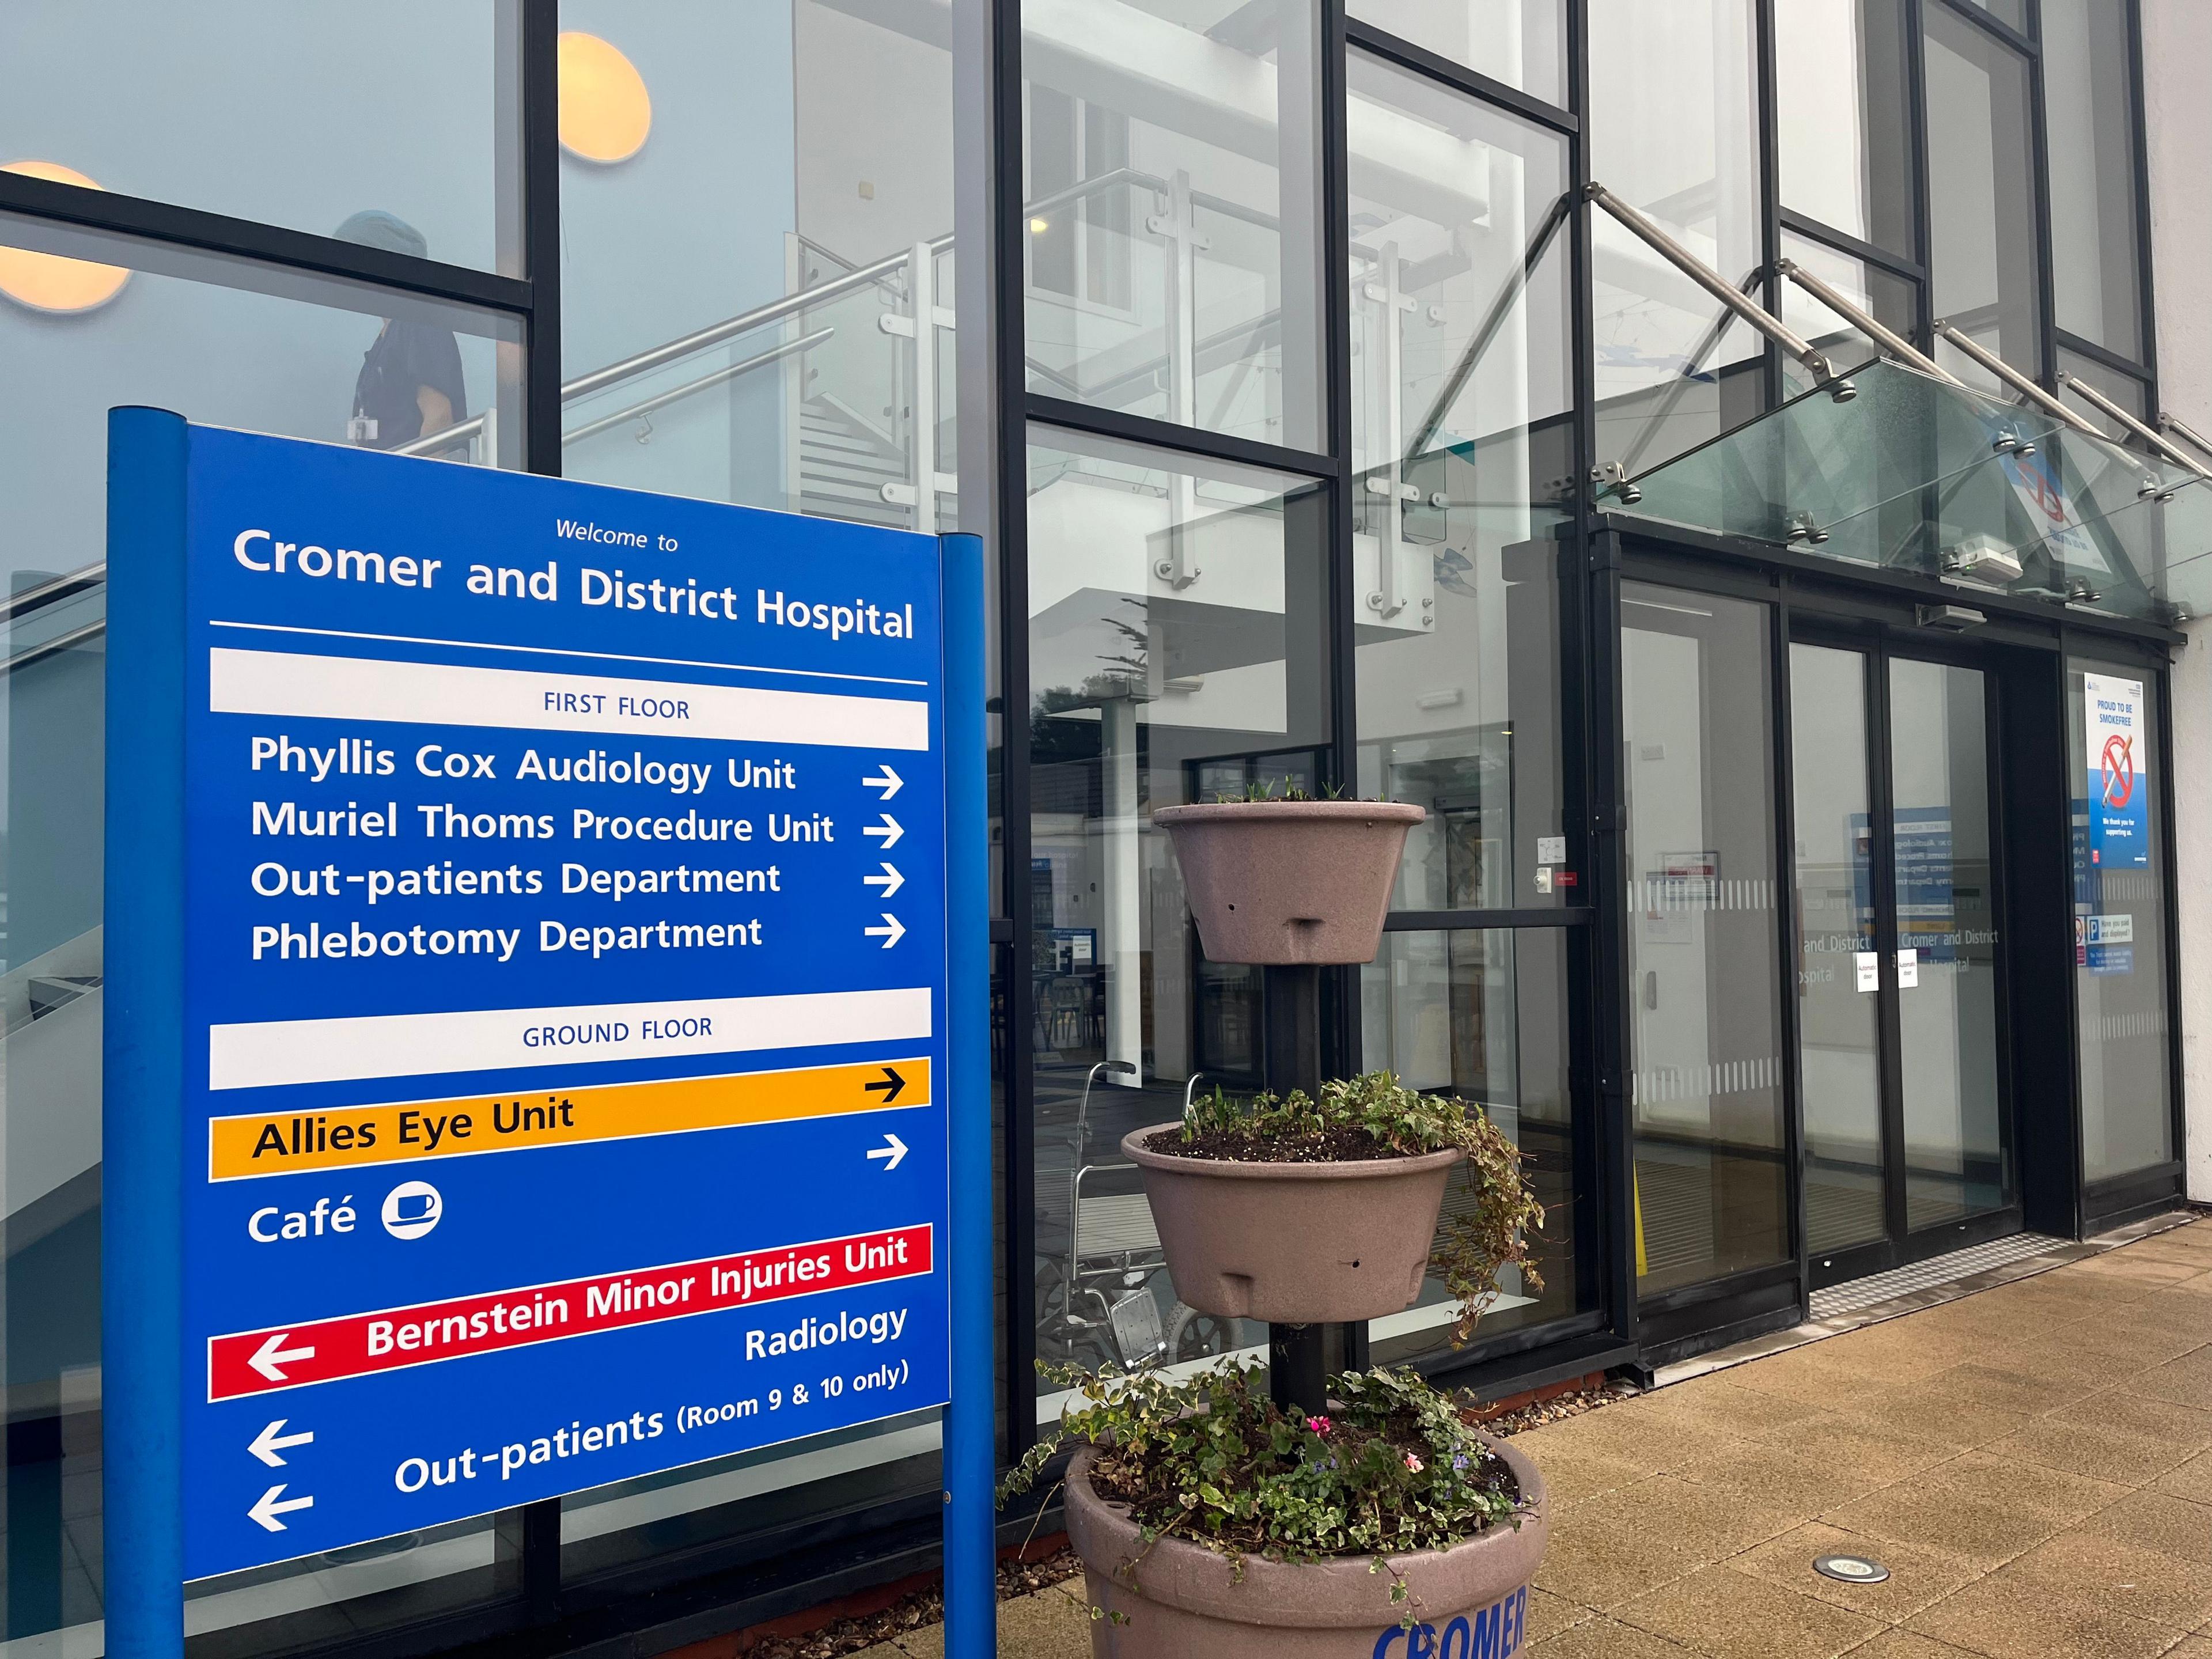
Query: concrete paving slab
[2122,1577]
[2011,1618]
[1919,1576]
[1732,1615]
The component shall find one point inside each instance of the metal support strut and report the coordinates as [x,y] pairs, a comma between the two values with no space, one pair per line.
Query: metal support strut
[1298,1366]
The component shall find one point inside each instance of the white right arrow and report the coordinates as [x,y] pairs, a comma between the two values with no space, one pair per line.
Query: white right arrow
[273,1353]
[890,932]
[890,881]
[889,830]
[267,1443]
[887,781]
[894,1150]
[267,1509]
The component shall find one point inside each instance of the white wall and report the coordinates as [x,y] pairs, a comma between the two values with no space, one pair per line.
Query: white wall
[2177,48]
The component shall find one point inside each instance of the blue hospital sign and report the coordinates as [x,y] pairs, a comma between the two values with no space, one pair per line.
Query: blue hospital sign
[560,981]
[2119,761]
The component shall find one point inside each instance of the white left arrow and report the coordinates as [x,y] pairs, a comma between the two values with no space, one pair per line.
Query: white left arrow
[893,1151]
[273,1353]
[267,1509]
[887,781]
[271,1441]
[890,881]
[890,932]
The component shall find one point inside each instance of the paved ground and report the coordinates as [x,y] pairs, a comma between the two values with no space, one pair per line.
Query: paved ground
[2034,1464]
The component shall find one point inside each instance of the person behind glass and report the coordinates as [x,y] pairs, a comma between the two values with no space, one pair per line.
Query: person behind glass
[410,377]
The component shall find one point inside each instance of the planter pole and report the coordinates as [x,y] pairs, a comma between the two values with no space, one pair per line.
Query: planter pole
[1298,1366]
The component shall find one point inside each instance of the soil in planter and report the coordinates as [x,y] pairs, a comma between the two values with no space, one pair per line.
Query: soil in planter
[1341,1145]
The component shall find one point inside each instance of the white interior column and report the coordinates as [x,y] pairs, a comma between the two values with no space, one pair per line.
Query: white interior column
[1120,944]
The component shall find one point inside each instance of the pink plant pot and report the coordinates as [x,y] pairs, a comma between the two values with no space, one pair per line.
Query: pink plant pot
[1174,1599]
[1295,1243]
[1289,882]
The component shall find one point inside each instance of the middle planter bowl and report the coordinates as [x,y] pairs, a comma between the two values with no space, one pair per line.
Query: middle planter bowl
[1294,1243]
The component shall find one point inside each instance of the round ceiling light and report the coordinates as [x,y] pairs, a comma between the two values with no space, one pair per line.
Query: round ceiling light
[52,281]
[605,111]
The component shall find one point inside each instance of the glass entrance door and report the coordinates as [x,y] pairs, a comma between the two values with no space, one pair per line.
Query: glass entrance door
[1900,984]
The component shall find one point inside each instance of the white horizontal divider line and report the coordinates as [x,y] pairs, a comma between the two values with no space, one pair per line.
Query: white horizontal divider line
[266,1054]
[556,651]
[285,684]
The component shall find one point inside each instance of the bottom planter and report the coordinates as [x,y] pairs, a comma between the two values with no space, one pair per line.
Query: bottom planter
[1178,1599]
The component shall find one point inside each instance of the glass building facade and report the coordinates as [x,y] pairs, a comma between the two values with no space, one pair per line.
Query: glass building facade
[1323,432]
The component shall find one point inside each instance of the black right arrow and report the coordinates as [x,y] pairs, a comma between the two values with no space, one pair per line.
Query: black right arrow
[889,1088]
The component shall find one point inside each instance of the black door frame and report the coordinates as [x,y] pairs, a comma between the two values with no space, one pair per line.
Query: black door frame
[2026,647]
[1901,1244]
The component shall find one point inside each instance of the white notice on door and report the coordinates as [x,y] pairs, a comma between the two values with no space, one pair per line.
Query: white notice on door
[1551,849]
[1870,966]
[1908,970]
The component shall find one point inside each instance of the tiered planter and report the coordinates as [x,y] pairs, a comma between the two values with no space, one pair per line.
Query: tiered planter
[1291,884]
[1294,1243]
[1174,1599]
[1281,882]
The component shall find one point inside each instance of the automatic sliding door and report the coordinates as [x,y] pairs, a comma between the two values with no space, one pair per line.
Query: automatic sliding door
[1947,939]
[1839,1002]
[1711,1182]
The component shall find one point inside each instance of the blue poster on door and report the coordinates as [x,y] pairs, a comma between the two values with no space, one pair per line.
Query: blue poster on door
[536,894]
[2118,756]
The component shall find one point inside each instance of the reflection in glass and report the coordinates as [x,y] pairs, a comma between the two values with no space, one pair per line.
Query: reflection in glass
[1482,1014]
[292,115]
[1175,617]
[1838,999]
[1521,42]
[1172,186]
[2088,77]
[2119,769]
[1845,137]
[1674,120]
[1947,939]
[283,357]
[1984,263]
[1460,427]
[1890,300]
[1705,966]
[702,371]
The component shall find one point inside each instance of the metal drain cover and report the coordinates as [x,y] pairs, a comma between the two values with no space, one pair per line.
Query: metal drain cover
[1850,1569]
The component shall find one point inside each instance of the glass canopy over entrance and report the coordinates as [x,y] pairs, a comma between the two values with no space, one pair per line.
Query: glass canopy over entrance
[1892,467]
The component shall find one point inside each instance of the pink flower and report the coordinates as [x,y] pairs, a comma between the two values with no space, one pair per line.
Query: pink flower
[1412,1463]
[1320,1426]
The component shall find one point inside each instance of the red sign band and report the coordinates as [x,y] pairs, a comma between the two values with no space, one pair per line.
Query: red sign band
[358,1345]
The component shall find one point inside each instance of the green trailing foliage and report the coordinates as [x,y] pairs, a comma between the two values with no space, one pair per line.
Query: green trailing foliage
[1391,1469]
[1476,1243]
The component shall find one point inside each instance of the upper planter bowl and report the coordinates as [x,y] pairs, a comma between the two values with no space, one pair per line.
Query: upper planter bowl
[1289,882]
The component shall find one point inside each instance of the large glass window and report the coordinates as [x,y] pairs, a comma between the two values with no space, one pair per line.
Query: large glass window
[1521,42]
[757,301]
[87,322]
[2089,89]
[300,116]
[1673,131]
[1177,640]
[1460,437]
[1704,965]
[1845,155]
[1174,259]
[1482,1014]
[2120,994]
[1985,263]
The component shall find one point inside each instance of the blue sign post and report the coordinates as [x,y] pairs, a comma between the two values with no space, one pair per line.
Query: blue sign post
[547,999]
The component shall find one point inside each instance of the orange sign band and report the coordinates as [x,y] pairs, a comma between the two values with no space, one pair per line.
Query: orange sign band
[348,1136]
